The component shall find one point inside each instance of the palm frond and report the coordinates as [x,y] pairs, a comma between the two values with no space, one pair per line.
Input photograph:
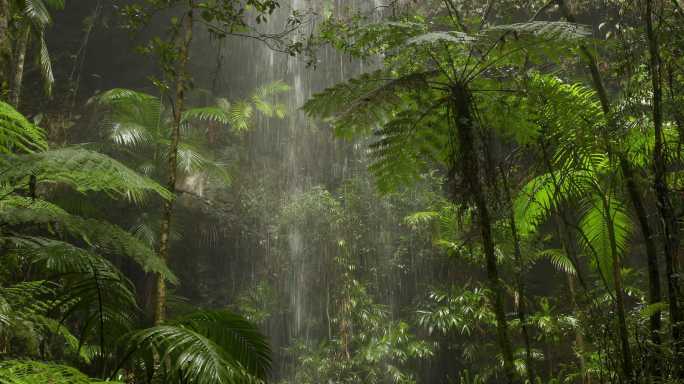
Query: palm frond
[131,108]
[238,337]
[45,64]
[559,260]
[215,114]
[240,116]
[37,12]
[207,347]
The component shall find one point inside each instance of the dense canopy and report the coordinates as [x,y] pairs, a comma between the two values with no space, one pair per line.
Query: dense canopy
[341,192]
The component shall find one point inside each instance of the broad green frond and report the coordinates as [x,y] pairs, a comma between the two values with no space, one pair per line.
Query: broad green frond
[45,65]
[419,219]
[17,133]
[361,104]
[132,108]
[35,372]
[237,336]
[106,238]
[549,29]
[594,223]
[240,116]
[129,134]
[81,169]
[216,114]
[559,259]
[272,89]
[437,37]
[571,113]
[37,12]
[406,144]
[539,197]
[208,347]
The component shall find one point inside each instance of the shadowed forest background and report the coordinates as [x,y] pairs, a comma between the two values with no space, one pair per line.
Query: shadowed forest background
[341,191]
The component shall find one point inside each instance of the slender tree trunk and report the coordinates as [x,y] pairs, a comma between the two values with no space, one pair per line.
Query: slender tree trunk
[667,214]
[165,230]
[627,362]
[18,64]
[635,199]
[565,244]
[520,281]
[465,126]
[579,337]
[654,294]
[5,42]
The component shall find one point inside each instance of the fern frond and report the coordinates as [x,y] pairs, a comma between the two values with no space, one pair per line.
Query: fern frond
[549,29]
[81,169]
[559,260]
[455,37]
[17,133]
[17,211]
[35,372]
[362,104]
[594,223]
[216,114]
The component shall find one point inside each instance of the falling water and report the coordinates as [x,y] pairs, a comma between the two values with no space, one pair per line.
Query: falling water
[305,152]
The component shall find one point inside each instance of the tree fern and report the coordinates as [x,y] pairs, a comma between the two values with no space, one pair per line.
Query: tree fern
[36,372]
[81,169]
[17,133]
[107,238]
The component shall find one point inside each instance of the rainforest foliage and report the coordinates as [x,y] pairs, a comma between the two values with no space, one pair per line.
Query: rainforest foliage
[406,191]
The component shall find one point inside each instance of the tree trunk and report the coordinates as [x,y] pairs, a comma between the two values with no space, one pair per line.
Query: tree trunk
[627,362]
[667,214]
[654,295]
[165,230]
[635,199]
[520,281]
[18,65]
[465,127]
[5,42]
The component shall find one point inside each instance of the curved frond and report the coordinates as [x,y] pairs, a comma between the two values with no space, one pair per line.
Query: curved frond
[238,337]
[549,29]
[594,223]
[81,169]
[456,37]
[45,64]
[207,347]
[106,238]
[559,260]
[361,104]
[35,372]
[17,133]
[216,114]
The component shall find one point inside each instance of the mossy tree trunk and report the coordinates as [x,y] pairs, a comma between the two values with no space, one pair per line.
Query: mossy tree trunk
[181,81]
[467,157]
[5,43]
[669,218]
[18,62]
